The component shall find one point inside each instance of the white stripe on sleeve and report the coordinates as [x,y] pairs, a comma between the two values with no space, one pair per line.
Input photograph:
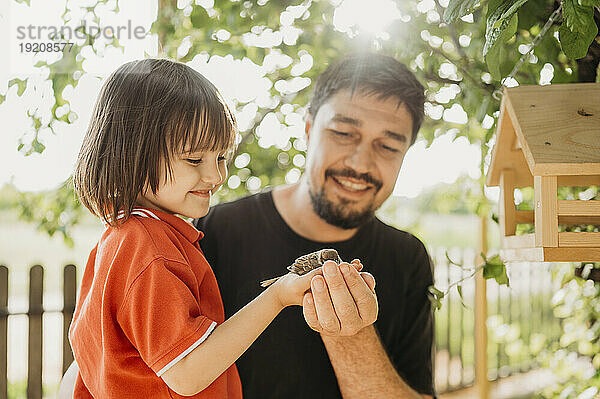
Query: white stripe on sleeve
[188,350]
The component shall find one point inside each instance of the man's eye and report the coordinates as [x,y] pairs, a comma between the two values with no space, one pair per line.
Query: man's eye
[194,161]
[341,134]
[389,149]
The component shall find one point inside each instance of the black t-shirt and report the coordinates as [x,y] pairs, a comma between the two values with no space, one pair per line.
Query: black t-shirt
[247,241]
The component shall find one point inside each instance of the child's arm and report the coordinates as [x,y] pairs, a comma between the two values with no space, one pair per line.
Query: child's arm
[229,341]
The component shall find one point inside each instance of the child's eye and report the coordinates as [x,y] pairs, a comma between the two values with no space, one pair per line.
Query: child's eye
[222,158]
[194,161]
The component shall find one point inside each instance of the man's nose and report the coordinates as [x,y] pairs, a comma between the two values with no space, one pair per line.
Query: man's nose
[360,159]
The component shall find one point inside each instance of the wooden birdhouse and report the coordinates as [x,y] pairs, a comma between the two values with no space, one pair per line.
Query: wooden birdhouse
[548,137]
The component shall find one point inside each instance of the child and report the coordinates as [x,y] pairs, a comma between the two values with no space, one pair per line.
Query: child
[149,321]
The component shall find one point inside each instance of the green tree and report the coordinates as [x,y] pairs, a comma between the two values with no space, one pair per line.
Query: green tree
[460,50]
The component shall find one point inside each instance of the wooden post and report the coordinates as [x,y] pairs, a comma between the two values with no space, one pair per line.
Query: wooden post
[507,211]
[69,296]
[546,211]
[34,355]
[482,384]
[3,331]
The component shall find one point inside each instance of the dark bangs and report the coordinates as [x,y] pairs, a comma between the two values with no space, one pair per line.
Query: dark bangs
[202,122]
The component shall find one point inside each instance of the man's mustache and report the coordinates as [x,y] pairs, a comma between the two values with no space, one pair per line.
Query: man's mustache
[365,177]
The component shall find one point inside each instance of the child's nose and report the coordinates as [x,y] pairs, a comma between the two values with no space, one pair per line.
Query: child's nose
[212,175]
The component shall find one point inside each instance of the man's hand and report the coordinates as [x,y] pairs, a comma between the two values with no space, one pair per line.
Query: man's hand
[342,301]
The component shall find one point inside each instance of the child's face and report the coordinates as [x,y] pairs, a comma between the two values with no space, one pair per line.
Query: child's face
[196,176]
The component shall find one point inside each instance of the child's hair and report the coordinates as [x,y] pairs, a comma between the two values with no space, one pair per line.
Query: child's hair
[147,112]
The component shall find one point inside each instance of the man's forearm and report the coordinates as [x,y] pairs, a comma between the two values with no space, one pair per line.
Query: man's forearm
[363,369]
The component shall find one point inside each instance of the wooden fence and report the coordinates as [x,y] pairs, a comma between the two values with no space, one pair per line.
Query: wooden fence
[34,313]
[524,308]
[525,304]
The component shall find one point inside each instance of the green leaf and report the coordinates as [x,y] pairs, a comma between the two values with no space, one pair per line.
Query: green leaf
[451,261]
[496,54]
[492,59]
[199,17]
[577,16]
[435,297]
[501,22]
[593,3]
[495,218]
[37,122]
[460,294]
[496,269]
[459,8]
[21,84]
[574,44]
[36,146]
[578,29]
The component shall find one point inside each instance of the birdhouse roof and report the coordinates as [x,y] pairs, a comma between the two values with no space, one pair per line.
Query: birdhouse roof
[555,129]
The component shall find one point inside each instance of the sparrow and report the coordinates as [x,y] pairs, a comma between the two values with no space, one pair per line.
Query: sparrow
[308,262]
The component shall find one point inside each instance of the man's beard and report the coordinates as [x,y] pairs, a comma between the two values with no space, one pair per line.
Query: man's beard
[338,213]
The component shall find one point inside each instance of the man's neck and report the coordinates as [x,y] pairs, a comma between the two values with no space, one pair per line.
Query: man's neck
[294,205]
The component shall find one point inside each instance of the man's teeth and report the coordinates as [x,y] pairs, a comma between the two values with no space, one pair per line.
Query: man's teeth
[352,186]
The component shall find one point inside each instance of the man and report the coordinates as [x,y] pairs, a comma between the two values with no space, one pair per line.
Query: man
[364,115]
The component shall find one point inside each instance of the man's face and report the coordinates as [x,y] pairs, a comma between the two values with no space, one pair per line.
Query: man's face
[356,146]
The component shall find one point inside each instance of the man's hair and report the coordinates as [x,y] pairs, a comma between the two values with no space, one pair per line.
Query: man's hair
[372,74]
[147,112]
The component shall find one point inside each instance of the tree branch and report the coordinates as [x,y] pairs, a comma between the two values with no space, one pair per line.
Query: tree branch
[486,86]
[453,35]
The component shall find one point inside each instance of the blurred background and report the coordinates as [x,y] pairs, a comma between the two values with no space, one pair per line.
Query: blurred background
[542,330]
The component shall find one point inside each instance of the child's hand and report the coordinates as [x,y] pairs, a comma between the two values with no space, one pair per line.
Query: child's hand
[290,289]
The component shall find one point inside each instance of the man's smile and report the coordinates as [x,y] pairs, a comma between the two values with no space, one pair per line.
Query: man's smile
[351,184]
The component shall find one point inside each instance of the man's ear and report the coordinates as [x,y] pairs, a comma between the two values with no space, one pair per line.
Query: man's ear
[307,126]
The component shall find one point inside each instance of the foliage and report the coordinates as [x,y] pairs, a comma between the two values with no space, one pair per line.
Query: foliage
[492,267]
[54,212]
[575,360]
[449,58]
[461,197]
[578,29]
[576,33]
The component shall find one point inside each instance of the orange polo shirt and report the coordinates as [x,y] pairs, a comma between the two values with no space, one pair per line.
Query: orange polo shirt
[148,297]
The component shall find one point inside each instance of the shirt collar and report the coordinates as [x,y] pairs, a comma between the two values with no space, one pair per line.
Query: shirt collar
[182,226]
